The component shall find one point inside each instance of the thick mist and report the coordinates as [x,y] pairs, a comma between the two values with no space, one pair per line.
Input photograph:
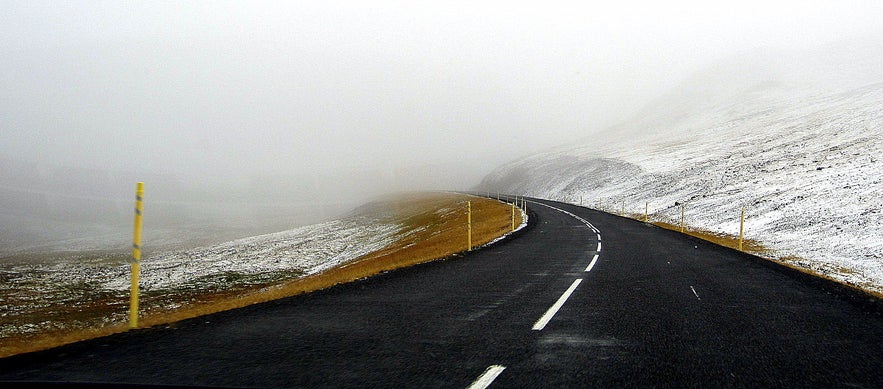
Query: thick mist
[250,117]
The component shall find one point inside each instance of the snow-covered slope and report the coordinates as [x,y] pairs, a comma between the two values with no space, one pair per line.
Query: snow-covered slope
[35,287]
[805,159]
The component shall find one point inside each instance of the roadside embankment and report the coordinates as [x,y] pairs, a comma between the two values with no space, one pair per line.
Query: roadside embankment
[56,301]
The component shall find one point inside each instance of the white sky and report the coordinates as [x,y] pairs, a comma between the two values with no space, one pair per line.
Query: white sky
[229,89]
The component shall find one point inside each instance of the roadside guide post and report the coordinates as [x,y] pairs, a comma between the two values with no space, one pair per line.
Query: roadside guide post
[469,225]
[136,257]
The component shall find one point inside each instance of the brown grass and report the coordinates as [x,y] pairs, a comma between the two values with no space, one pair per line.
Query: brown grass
[434,228]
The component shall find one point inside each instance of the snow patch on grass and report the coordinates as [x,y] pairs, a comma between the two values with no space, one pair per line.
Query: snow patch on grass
[50,288]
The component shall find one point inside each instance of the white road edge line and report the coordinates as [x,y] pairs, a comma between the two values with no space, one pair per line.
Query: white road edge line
[540,324]
[592,264]
[488,377]
[694,292]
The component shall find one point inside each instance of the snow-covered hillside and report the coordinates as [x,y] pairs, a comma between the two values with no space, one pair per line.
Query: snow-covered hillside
[806,160]
[39,287]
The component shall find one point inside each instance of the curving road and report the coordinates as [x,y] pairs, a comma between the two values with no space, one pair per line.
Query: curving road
[578,298]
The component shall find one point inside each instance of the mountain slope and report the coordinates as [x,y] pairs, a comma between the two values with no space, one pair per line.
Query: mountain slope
[805,160]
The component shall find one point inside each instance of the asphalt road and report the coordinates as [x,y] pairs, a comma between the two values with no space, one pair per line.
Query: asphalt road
[654,308]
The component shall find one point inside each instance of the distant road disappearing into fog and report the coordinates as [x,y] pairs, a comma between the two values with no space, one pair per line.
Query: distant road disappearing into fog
[577,298]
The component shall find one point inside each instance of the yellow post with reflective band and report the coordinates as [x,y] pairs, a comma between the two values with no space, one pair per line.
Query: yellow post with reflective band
[469,225]
[741,228]
[136,256]
[513,215]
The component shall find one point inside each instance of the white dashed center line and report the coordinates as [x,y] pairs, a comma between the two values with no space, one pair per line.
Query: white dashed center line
[586,222]
[540,324]
[694,292]
[592,264]
[488,377]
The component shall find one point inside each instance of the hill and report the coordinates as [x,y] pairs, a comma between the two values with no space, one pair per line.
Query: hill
[795,138]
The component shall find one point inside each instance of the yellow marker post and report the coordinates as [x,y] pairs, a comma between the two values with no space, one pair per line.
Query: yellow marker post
[136,256]
[741,228]
[469,225]
[682,217]
[513,216]
[646,212]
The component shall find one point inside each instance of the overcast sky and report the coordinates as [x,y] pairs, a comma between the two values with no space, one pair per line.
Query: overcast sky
[229,89]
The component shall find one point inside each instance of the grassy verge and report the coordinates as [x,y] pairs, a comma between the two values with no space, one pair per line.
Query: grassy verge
[433,227]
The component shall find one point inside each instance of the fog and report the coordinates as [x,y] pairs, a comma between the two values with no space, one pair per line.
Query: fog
[247,117]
